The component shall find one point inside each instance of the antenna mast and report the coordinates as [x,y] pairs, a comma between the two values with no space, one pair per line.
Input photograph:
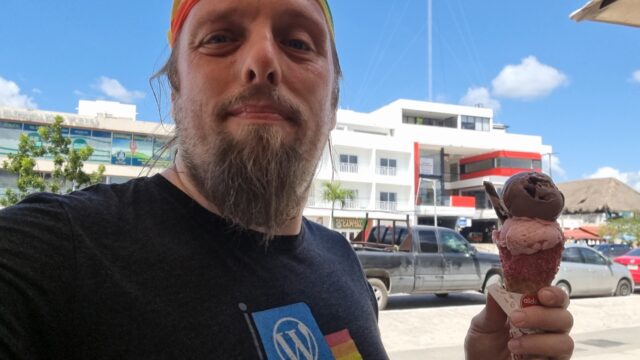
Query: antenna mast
[430,51]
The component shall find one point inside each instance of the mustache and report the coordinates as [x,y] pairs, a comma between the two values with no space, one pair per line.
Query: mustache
[261,93]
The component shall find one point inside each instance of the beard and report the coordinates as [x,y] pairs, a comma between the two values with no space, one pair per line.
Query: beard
[257,178]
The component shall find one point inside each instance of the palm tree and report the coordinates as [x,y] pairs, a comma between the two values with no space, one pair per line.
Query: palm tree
[334,192]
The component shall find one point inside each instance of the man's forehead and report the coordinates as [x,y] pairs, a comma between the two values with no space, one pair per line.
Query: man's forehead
[182,8]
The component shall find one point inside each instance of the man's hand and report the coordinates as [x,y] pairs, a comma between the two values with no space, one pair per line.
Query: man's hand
[488,335]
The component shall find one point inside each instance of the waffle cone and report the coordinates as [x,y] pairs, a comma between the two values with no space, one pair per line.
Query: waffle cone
[528,273]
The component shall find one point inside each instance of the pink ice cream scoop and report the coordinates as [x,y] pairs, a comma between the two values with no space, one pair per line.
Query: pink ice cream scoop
[521,235]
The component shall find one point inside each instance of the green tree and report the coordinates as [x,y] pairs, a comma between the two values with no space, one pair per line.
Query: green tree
[334,192]
[67,174]
[616,228]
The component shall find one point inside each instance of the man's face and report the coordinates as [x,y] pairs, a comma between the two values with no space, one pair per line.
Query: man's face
[253,104]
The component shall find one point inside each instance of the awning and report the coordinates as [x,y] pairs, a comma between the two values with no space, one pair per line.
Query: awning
[580,234]
[625,12]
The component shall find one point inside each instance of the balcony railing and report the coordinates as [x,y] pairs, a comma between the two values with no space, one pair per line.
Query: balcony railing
[386,170]
[387,205]
[347,167]
[347,204]
[354,204]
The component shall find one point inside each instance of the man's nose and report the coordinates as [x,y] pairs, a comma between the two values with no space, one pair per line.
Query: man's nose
[261,63]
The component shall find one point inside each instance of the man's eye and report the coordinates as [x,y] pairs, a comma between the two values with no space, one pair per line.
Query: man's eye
[298,44]
[217,39]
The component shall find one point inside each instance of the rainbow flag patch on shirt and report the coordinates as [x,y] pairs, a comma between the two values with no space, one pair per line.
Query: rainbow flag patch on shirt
[342,346]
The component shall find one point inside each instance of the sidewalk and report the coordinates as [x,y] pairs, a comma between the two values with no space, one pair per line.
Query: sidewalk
[604,328]
[621,344]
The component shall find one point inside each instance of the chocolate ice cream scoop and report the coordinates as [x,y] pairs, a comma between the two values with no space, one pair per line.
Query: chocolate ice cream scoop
[533,195]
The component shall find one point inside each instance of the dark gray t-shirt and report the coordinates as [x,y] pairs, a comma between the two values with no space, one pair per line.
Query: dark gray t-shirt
[141,271]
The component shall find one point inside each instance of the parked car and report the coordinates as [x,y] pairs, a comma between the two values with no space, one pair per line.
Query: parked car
[586,272]
[632,261]
[612,250]
[423,259]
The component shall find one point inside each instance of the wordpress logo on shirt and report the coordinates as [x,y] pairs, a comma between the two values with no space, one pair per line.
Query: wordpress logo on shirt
[291,333]
[294,340]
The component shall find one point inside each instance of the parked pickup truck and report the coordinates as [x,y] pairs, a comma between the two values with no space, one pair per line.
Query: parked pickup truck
[423,259]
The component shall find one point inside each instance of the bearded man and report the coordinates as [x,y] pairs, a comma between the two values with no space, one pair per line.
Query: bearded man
[212,259]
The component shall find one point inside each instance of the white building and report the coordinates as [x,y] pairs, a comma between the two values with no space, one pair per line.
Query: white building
[391,158]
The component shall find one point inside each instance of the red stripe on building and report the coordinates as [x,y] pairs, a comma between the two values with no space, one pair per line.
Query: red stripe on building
[501,154]
[495,172]
[416,168]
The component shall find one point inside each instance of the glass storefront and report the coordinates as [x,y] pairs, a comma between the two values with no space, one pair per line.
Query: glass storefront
[108,147]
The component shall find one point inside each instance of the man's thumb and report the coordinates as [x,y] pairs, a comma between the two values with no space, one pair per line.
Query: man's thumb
[491,319]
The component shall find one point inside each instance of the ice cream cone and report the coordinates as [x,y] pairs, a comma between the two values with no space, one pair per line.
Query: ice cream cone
[528,273]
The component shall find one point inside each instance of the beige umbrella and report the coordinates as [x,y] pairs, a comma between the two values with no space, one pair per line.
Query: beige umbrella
[625,12]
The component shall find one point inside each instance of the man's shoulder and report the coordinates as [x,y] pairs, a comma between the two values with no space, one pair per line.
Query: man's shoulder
[319,230]
[86,202]
[331,240]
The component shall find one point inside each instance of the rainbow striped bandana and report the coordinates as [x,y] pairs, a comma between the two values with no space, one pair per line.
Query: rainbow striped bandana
[181,9]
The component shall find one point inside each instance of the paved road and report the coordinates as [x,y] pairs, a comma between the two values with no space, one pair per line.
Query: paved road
[427,327]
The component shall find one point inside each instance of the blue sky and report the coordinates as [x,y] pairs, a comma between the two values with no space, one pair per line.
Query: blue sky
[575,84]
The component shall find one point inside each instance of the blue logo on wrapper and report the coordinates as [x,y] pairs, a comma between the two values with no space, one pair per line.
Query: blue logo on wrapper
[291,333]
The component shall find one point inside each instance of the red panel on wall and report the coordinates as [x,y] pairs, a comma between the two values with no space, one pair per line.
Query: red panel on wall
[463,201]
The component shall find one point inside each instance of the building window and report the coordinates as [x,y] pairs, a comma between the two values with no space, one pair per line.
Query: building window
[475,123]
[477,166]
[514,163]
[387,201]
[348,163]
[387,167]
[449,122]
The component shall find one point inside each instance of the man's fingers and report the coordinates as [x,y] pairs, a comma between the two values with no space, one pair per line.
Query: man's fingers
[553,296]
[558,346]
[555,320]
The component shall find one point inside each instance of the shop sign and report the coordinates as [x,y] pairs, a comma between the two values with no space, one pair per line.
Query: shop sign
[348,223]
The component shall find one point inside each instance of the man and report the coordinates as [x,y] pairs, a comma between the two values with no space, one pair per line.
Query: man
[212,258]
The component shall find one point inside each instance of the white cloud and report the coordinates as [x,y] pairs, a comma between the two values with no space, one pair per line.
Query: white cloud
[635,76]
[630,178]
[528,80]
[556,170]
[114,89]
[480,96]
[10,96]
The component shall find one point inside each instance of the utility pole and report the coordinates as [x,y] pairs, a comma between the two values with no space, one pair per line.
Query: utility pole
[430,50]
[550,158]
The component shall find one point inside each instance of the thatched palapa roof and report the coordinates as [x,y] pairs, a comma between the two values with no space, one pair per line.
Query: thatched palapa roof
[599,195]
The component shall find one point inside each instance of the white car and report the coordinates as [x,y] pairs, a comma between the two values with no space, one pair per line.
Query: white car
[586,272]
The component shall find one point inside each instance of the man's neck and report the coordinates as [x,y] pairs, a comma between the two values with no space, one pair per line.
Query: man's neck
[179,177]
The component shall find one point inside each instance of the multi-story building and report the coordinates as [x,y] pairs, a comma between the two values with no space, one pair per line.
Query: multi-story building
[120,142]
[410,158]
[425,160]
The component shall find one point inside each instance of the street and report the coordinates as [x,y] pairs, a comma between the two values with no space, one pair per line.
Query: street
[428,327]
